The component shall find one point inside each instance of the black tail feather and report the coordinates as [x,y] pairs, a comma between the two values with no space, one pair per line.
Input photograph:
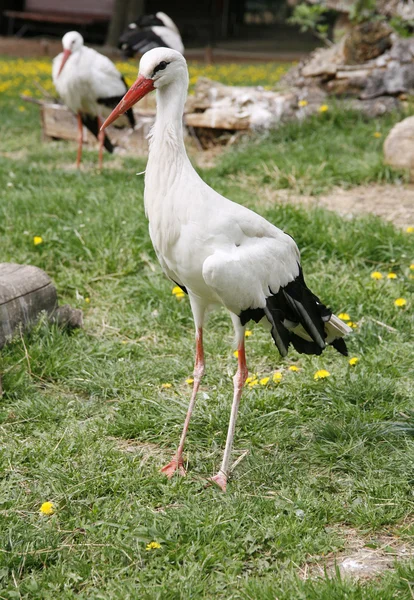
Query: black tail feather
[293,305]
[92,124]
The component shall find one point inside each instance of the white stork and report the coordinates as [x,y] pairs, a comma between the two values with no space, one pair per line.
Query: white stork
[150,31]
[217,251]
[90,85]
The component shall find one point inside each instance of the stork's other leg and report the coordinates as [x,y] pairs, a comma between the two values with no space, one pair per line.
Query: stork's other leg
[101,139]
[239,380]
[177,461]
[80,141]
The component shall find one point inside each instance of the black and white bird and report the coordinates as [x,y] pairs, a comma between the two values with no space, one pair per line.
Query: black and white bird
[218,252]
[91,86]
[148,32]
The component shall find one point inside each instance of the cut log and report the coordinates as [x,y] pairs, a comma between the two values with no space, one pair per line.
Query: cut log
[25,292]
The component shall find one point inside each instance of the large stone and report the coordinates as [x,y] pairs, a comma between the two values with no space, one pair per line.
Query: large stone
[399,146]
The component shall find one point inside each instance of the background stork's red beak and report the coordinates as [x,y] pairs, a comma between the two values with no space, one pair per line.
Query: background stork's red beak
[66,54]
[138,90]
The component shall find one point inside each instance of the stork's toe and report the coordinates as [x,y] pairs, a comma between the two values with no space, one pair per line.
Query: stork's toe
[172,467]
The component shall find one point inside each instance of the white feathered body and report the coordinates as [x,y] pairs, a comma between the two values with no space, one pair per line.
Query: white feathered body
[86,77]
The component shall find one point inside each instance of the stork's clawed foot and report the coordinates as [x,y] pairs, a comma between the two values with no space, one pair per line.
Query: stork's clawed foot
[172,467]
[221,480]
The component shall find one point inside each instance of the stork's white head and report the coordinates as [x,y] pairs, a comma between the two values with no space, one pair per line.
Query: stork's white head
[158,68]
[72,42]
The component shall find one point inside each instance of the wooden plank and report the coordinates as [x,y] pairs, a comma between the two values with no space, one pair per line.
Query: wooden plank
[25,292]
[58,17]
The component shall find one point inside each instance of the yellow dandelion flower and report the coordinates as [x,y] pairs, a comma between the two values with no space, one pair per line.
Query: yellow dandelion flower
[376,275]
[253,383]
[264,381]
[323,108]
[412,267]
[344,317]
[392,275]
[277,377]
[87,300]
[153,546]
[37,240]
[22,109]
[190,380]
[302,103]
[377,134]
[293,368]
[353,361]
[400,302]
[179,296]
[166,386]
[352,324]
[251,378]
[248,333]
[410,230]
[177,290]
[47,508]
[321,374]
[236,353]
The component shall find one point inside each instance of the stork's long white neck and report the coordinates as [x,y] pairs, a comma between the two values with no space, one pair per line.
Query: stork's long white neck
[167,154]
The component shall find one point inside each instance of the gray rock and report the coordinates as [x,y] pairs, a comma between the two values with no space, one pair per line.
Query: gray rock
[399,145]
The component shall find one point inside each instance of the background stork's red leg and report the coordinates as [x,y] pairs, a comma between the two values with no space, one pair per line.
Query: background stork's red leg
[101,138]
[177,461]
[239,380]
[80,141]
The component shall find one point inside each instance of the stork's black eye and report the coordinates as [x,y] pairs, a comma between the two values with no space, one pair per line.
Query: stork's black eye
[160,67]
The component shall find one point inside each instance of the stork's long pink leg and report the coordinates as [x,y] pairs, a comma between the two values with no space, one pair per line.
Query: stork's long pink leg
[101,138]
[239,380]
[177,461]
[80,141]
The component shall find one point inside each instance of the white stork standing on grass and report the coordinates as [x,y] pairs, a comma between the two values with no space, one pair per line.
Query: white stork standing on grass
[91,86]
[217,251]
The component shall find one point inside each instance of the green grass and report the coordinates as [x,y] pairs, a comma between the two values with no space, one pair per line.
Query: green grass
[340,450]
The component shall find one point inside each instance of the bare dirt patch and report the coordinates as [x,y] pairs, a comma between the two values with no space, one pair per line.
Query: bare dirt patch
[394,203]
[362,558]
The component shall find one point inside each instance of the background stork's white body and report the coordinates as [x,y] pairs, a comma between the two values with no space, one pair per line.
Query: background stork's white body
[86,77]
[90,85]
[221,252]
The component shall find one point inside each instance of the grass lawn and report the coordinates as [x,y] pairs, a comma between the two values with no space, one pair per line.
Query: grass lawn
[86,420]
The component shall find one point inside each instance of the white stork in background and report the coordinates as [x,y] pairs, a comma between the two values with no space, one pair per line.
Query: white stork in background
[217,251]
[90,85]
[150,31]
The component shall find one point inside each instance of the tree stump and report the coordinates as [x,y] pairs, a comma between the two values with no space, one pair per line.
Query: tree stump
[25,292]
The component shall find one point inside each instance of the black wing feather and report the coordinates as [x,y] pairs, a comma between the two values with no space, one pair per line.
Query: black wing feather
[92,124]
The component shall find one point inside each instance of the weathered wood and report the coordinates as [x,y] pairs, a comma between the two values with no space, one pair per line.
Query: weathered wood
[25,291]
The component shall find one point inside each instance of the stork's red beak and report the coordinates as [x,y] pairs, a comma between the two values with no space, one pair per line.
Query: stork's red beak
[138,90]
[66,54]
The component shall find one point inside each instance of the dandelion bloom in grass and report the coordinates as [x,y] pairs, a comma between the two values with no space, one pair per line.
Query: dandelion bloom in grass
[353,361]
[400,302]
[277,377]
[22,109]
[264,381]
[410,229]
[87,300]
[323,108]
[166,386]
[321,374]
[153,546]
[376,275]
[47,508]
[248,333]
[412,267]
[377,134]
[352,324]
[37,240]
[178,292]
[344,317]
[293,368]
[190,380]
[392,275]
[236,353]
[302,103]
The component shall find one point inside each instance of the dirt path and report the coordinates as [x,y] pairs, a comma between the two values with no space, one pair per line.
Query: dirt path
[393,203]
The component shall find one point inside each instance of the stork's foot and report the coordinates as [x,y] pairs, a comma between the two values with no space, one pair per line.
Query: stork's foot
[172,467]
[221,480]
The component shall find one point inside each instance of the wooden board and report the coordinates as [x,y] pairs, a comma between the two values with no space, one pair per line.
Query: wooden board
[25,291]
